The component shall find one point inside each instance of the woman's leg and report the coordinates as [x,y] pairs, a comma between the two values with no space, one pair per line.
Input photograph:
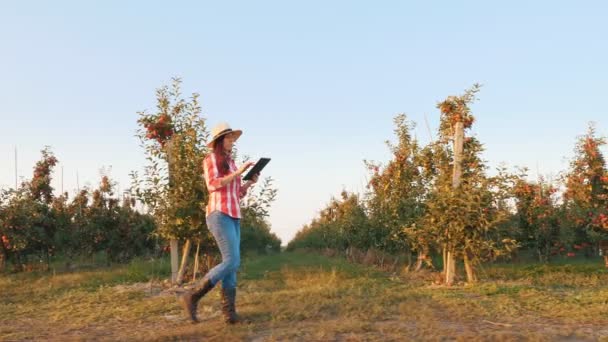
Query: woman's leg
[229,281]
[225,231]
[221,227]
[229,285]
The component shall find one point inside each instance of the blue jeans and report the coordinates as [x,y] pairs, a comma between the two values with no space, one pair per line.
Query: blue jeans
[227,233]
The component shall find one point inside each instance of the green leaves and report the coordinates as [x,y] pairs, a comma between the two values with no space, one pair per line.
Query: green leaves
[411,204]
[172,185]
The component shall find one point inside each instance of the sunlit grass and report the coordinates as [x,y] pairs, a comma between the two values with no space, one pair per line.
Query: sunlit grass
[294,296]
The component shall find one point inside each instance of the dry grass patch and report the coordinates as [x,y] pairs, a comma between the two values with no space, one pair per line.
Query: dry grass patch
[302,297]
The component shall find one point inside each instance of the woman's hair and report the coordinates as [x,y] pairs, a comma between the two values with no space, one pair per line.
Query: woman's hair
[221,157]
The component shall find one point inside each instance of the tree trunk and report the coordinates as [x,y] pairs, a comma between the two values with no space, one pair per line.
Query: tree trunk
[18,262]
[469,266]
[48,260]
[418,266]
[409,262]
[540,254]
[174,260]
[422,258]
[458,150]
[450,274]
[195,269]
[603,249]
[184,263]
[394,267]
[210,262]
[3,256]
[444,254]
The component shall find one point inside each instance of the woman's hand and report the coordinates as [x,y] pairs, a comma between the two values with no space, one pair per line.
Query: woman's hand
[249,184]
[245,166]
[226,180]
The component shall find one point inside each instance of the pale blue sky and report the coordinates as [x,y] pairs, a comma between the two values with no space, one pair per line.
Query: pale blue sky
[314,84]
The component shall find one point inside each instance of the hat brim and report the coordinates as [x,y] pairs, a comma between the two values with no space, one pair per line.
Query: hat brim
[236,132]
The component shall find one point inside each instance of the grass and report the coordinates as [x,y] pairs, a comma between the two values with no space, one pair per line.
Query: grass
[294,296]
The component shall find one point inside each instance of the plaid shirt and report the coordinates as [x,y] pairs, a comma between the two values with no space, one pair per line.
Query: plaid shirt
[223,198]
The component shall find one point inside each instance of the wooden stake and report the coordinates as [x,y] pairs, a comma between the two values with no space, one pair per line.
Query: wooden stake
[174,260]
[195,271]
[184,263]
[450,273]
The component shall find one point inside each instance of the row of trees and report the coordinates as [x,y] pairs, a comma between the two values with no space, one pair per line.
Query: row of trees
[36,225]
[439,200]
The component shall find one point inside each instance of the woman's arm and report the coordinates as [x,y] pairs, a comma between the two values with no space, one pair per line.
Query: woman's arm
[229,178]
[211,172]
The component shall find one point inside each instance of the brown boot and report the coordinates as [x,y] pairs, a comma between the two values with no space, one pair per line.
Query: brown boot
[229,307]
[190,299]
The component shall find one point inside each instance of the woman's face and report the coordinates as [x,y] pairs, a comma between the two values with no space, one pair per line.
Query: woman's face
[229,142]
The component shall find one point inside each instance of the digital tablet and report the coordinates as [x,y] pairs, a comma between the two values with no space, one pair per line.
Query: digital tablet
[257,168]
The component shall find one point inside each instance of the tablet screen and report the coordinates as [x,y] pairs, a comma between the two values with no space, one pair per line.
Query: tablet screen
[257,168]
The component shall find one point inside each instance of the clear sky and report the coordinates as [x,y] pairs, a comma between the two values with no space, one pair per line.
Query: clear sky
[313,84]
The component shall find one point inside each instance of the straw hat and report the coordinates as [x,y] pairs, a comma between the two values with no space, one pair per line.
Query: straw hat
[220,130]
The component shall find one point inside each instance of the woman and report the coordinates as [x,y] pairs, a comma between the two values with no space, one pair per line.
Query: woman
[223,219]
